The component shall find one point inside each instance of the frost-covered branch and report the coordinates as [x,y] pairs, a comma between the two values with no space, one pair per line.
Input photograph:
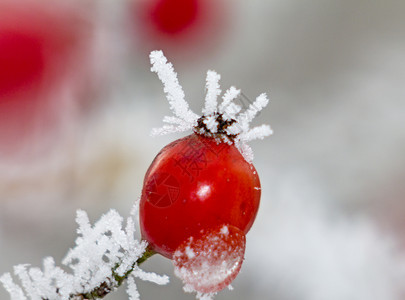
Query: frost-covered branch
[105,254]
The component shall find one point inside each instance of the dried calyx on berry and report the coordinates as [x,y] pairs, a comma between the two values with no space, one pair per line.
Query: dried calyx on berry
[225,122]
[215,126]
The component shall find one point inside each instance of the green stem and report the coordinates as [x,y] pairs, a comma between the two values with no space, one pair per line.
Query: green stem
[147,254]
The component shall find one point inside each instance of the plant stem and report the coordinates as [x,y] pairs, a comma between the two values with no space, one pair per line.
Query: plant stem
[148,253]
[108,286]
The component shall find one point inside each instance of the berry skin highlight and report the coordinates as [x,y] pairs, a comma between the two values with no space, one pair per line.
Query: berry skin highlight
[195,184]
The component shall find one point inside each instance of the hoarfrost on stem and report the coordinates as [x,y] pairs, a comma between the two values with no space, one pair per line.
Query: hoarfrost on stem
[238,131]
[105,254]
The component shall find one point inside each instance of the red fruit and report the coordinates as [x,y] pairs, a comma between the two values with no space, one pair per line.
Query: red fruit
[170,17]
[21,59]
[193,185]
[30,48]
[178,26]
[173,16]
[201,193]
[212,262]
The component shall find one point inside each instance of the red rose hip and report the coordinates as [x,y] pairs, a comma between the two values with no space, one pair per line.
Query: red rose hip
[201,193]
[193,184]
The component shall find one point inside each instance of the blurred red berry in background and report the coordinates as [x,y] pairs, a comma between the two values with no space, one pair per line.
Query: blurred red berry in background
[178,26]
[43,51]
[22,60]
[174,16]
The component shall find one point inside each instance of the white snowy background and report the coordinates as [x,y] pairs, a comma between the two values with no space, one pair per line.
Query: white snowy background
[332,216]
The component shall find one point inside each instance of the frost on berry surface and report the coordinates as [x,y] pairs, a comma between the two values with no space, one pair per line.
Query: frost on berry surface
[209,263]
[223,121]
[105,253]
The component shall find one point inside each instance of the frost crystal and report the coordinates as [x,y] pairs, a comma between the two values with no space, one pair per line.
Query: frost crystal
[224,122]
[104,255]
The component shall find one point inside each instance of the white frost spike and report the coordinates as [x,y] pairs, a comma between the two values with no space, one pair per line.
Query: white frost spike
[22,273]
[232,128]
[132,290]
[174,120]
[166,129]
[213,91]
[150,276]
[259,132]
[227,107]
[231,94]
[171,127]
[172,88]
[245,150]
[245,118]
[231,111]
[11,287]
[84,223]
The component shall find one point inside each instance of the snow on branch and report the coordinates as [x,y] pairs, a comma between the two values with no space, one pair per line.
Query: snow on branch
[105,254]
[225,122]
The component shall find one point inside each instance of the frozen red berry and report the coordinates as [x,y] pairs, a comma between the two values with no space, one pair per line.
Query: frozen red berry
[195,184]
[201,193]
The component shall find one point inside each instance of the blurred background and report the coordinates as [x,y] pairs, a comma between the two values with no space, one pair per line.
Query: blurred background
[78,101]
